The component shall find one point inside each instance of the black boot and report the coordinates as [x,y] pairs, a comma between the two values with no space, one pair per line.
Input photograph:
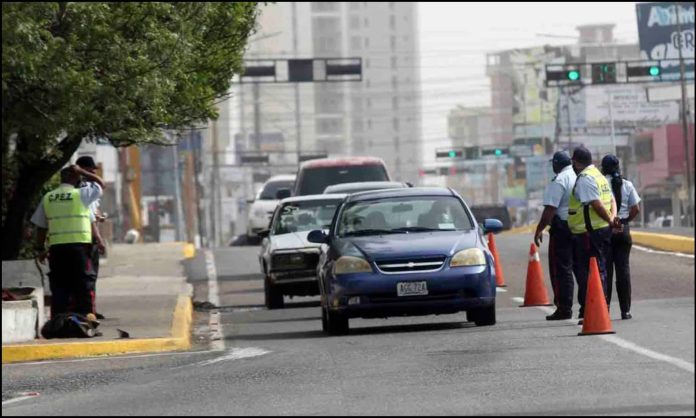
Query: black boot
[559,315]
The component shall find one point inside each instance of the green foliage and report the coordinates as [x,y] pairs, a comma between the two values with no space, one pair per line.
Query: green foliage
[116,70]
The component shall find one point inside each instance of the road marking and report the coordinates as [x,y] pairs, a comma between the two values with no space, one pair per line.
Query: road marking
[22,397]
[682,364]
[650,250]
[236,354]
[215,323]
[500,289]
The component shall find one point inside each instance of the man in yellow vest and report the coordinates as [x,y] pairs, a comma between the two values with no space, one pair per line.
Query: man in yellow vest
[64,217]
[591,214]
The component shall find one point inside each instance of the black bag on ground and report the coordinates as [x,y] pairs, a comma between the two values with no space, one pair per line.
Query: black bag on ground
[70,325]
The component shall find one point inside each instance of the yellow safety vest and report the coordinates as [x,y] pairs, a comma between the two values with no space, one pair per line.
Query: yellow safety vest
[582,219]
[68,218]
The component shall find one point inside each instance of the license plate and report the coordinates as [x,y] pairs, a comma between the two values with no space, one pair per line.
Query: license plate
[412,288]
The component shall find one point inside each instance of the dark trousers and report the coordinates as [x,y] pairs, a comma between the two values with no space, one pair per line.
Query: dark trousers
[561,264]
[70,279]
[618,255]
[94,258]
[590,244]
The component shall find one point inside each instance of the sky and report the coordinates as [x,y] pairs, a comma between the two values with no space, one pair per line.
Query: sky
[455,37]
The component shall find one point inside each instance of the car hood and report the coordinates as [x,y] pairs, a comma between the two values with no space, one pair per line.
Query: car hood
[264,205]
[408,245]
[292,240]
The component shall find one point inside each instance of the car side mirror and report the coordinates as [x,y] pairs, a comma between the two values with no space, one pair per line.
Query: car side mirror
[265,233]
[318,237]
[492,225]
[283,193]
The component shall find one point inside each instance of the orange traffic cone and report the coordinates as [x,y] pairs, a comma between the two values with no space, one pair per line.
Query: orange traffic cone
[596,318]
[499,278]
[535,293]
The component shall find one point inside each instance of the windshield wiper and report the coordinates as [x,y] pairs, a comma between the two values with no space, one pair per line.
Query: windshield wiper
[368,232]
[418,229]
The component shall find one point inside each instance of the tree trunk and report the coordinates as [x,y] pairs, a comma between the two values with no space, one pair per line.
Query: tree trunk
[30,180]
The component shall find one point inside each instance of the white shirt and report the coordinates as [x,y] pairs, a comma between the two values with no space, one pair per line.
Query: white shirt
[587,189]
[557,193]
[88,194]
[629,197]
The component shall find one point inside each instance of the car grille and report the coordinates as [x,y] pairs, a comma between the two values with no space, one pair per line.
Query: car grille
[295,261]
[419,265]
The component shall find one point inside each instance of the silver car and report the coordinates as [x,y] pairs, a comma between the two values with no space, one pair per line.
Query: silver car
[287,260]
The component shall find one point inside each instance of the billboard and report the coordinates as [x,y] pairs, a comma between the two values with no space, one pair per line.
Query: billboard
[660,38]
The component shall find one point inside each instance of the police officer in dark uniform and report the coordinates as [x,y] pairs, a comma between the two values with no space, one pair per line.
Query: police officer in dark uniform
[556,198]
[627,200]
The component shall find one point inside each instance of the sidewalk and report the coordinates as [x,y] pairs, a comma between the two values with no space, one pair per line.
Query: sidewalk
[142,290]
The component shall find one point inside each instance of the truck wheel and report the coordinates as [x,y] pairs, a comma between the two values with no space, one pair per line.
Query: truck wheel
[273,296]
[336,323]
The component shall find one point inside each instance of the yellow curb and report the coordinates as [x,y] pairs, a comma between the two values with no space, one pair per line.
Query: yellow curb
[180,340]
[189,250]
[665,242]
[526,229]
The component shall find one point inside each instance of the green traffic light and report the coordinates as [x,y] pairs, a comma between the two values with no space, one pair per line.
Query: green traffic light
[498,152]
[452,154]
[654,71]
[573,75]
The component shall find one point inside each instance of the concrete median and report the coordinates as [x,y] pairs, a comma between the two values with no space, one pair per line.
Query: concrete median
[665,242]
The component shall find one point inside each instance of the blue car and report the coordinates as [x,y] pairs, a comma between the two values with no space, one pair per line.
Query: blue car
[402,252]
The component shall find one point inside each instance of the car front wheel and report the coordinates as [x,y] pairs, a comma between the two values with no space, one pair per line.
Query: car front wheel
[483,316]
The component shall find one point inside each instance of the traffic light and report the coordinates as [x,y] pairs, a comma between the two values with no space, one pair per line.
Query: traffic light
[604,73]
[496,152]
[651,70]
[451,153]
[561,75]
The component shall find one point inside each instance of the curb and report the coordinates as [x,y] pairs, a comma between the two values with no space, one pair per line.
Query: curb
[180,340]
[665,242]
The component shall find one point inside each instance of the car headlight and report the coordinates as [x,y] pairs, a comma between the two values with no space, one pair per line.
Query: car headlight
[347,264]
[468,257]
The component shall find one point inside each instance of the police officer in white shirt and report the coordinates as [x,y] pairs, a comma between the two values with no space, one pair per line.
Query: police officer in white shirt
[627,200]
[555,213]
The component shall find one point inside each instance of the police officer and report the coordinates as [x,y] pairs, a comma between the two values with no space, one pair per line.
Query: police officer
[98,248]
[591,214]
[556,197]
[64,217]
[627,200]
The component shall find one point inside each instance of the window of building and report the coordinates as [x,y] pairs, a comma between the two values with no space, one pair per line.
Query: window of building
[354,22]
[367,42]
[393,62]
[324,6]
[329,126]
[391,5]
[392,42]
[358,125]
[355,43]
[395,102]
[357,104]
[353,5]
[392,22]
[366,22]
[395,124]
[395,82]
[369,126]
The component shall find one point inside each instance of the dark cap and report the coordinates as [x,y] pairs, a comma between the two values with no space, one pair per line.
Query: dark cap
[560,159]
[610,164]
[582,155]
[86,162]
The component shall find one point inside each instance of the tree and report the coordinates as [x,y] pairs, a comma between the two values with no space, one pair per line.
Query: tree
[120,71]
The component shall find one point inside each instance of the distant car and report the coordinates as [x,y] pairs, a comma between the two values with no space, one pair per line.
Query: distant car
[364,186]
[265,203]
[287,260]
[314,176]
[414,251]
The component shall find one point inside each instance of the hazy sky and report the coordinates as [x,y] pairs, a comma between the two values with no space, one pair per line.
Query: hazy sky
[456,36]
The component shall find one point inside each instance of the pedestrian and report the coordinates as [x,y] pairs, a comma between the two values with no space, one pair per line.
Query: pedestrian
[63,216]
[98,248]
[555,214]
[627,200]
[591,214]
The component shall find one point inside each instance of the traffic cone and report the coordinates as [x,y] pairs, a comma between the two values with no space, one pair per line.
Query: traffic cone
[535,293]
[596,318]
[499,278]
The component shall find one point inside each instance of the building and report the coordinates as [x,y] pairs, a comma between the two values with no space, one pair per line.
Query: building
[470,126]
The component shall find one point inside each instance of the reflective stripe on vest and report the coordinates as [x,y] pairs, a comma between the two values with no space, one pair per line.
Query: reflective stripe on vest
[68,218]
[582,219]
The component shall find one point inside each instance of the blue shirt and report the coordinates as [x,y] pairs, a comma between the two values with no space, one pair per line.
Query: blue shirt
[557,193]
[629,198]
[88,194]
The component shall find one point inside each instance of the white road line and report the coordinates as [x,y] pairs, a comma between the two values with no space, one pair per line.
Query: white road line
[682,364]
[236,354]
[500,289]
[650,250]
[24,396]
[215,323]
[80,360]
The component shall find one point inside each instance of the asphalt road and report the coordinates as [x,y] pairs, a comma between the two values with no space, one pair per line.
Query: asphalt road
[280,363]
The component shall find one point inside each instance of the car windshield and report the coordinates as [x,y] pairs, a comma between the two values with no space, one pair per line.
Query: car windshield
[404,215]
[305,216]
[316,180]
[270,189]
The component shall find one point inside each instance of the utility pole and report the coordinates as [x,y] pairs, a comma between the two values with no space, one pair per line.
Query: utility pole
[214,187]
[298,119]
[570,131]
[177,194]
[257,118]
[685,126]
[611,119]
